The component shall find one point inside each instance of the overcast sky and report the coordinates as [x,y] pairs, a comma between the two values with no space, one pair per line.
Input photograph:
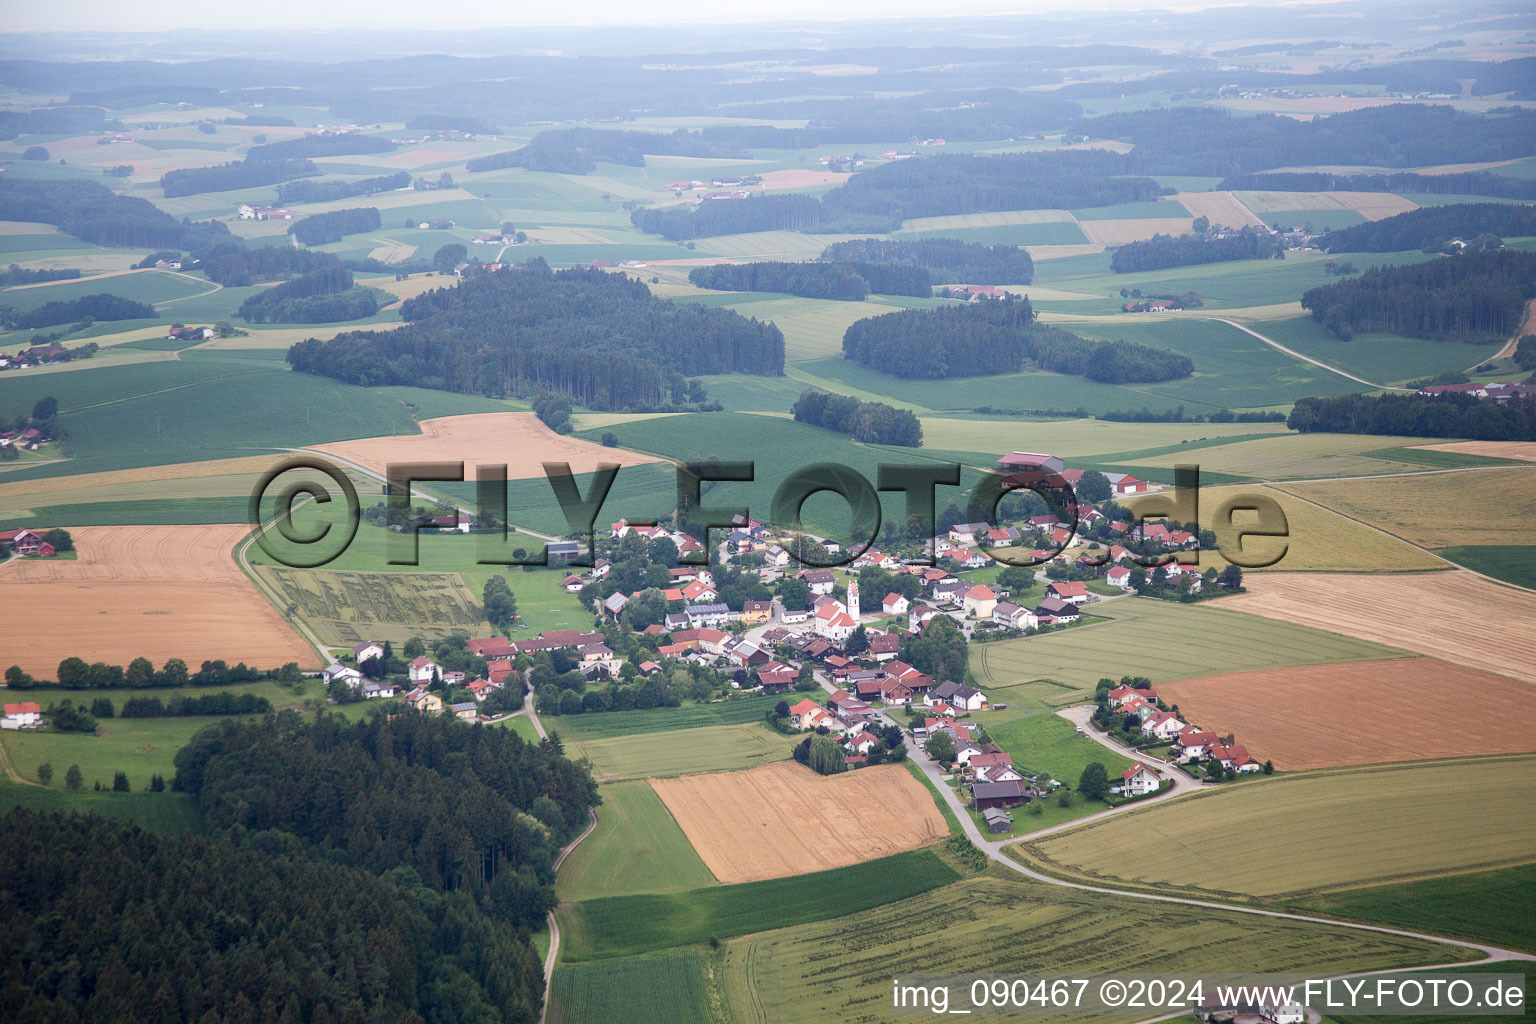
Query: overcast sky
[295,15]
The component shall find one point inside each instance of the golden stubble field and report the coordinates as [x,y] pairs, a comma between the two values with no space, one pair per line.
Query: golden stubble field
[783,819]
[1456,616]
[152,591]
[518,439]
[1364,712]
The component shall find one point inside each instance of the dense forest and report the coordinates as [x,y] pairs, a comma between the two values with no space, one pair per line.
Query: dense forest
[241,174]
[17,274]
[1180,140]
[947,260]
[997,336]
[102,306]
[234,264]
[1474,297]
[1162,251]
[319,145]
[1468,183]
[320,296]
[306,191]
[870,422]
[77,120]
[850,281]
[333,226]
[600,338]
[790,212]
[93,212]
[1417,416]
[578,150]
[879,199]
[1433,226]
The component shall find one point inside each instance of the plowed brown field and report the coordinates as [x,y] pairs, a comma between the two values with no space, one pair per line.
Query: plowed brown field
[155,591]
[1454,616]
[1365,712]
[784,819]
[517,439]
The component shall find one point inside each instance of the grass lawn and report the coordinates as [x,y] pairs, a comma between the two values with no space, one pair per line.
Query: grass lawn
[624,925]
[1050,744]
[1490,906]
[1160,640]
[608,724]
[165,813]
[139,746]
[659,988]
[683,752]
[1343,829]
[637,847]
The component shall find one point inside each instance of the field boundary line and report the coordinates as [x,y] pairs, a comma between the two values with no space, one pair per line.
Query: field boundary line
[1305,358]
[11,771]
[554,926]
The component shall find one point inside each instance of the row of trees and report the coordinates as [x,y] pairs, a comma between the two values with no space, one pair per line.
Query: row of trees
[77,674]
[1417,416]
[786,212]
[947,260]
[332,226]
[1470,183]
[846,280]
[1474,297]
[600,338]
[187,181]
[101,306]
[578,150]
[222,703]
[307,146]
[1162,251]
[1431,227]
[870,422]
[93,212]
[16,274]
[307,191]
[997,336]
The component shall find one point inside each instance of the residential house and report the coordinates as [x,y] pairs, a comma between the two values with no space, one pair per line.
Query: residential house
[467,711]
[699,593]
[709,614]
[883,646]
[754,613]
[989,795]
[1138,780]
[1122,695]
[481,688]
[1013,616]
[863,743]
[423,669]
[1234,758]
[1165,725]
[425,701]
[1119,576]
[795,614]
[376,691]
[967,533]
[573,584]
[962,697]
[980,601]
[1072,591]
[994,767]
[1192,744]
[26,542]
[25,715]
[776,677]
[819,581]
[1054,611]
[807,714]
[895,604]
[367,651]
[334,671]
[976,560]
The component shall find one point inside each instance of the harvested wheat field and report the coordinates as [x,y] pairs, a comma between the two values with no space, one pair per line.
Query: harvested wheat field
[1321,716]
[1221,207]
[1455,616]
[1525,451]
[155,591]
[105,486]
[517,439]
[1134,229]
[1490,506]
[784,819]
[1059,252]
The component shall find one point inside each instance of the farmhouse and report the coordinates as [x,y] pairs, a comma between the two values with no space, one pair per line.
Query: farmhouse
[1054,611]
[776,677]
[961,697]
[985,795]
[25,542]
[1138,780]
[1030,461]
[492,647]
[1073,591]
[26,715]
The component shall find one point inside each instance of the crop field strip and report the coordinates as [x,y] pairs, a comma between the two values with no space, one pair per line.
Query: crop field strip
[682,752]
[839,971]
[1320,716]
[1162,641]
[1494,506]
[346,608]
[1304,834]
[637,847]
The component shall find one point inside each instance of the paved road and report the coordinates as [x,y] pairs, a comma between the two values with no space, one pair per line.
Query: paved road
[554,926]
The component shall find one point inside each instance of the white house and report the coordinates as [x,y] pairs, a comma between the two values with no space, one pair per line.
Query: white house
[1120,577]
[895,604]
[960,696]
[819,581]
[351,676]
[26,715]
[374,691]
[776,557]
[422,669]
[1013,616]
[1165,725]
[1192,744]
[966,533]
[1138,780]
[367,651]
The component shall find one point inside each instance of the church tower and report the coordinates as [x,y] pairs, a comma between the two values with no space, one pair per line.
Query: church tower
[853,600]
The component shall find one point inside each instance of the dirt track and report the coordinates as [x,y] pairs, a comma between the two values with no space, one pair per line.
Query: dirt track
[784,819]
[1367,712]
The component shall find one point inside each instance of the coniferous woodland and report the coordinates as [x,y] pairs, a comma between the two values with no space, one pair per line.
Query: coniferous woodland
[1474,297]
[1162,251]
[305,191]
[1432,227]
[94,307]
[998,336]
[323,295]
[189,181]
[93,212]
[578,150]
[320,228]
[851,281]
[870,422]
[788,212]
[384,870]
[600,338]
[1469,183]
[319,145]
[234,264]
[947,260]
[1450,415]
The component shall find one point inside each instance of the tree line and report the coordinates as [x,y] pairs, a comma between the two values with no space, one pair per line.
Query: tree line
[323,295]
[75,673]
[307,146]
[91,211]
[788,212]
[947,260]
[1467,183]
[101,306]
[602,339]
[870,422]
[1432,227]
[334,225]
[846,280]
[1473,297]
[578,150]
[997,336]
[1450,415]
[16,274]
[1162,251]
[304,190]
[188,181]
